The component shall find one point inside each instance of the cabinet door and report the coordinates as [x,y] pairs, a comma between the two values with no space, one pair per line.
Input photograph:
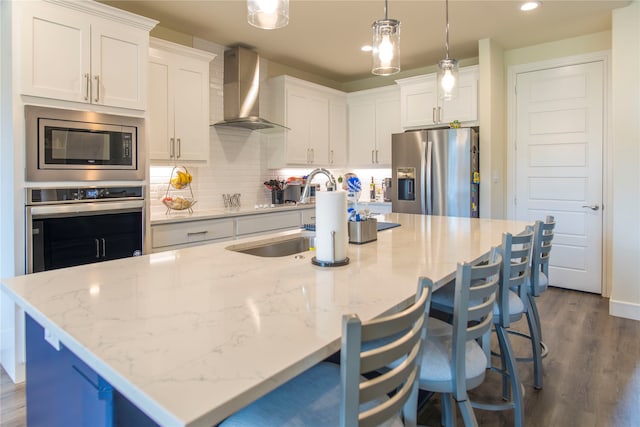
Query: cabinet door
[464,107]
[418,104]
[362,134]
[298,118]
[118,65]
[337,133]
[160,126]
[387,123]
[56,52]
[319,130]
[191,110]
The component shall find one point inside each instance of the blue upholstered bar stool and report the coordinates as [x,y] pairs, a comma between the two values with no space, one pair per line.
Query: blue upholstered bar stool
[331,395]
[537,282]
[453,361]
[509,307]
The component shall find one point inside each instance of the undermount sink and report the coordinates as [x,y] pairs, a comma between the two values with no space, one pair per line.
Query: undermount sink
[276,247]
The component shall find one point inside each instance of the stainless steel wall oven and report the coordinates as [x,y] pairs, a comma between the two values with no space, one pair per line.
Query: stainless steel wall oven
[66,145]
[75,226]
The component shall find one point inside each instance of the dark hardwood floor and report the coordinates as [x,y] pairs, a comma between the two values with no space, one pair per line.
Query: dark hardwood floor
[591,375]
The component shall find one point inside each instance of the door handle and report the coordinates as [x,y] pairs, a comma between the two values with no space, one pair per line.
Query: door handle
[179,148]
[97,248]
[372,161]
[592,207]
[87,87]
[172,148]
[433,115]
[104,248]
[97,77]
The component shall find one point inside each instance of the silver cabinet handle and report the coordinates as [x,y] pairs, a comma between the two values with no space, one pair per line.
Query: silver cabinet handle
[87,86]
[97,248]
[104,248]
[439,114]
[331,157]
[592,207]
[433,115]
[313,155]
[196,233]
[179,149]
[172,148]
[377,161]
[97,77]
[372,160]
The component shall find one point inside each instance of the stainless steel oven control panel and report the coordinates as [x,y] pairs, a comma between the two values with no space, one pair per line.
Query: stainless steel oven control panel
[36,196]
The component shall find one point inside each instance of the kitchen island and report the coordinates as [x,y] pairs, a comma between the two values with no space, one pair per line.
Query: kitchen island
[192,335]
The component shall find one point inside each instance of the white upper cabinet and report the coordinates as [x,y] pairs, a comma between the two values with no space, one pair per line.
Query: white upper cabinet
[421,105]
[374,115]
[84,52]
[316,118]
[178,103]
[338,132]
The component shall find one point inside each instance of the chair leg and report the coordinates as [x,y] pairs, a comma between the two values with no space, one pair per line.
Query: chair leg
[486,347]
[468,415]
[516,388]
[534,308]
[536,347]
[447,407]
[503,366]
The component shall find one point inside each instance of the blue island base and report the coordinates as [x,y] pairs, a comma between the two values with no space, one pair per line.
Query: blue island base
[63,391]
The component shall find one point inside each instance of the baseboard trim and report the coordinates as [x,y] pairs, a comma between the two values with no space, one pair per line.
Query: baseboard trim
[624,309]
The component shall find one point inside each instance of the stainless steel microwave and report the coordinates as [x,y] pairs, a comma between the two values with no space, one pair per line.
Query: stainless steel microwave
[68,145]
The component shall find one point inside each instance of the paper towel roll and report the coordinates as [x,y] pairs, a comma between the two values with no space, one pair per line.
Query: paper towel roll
[331,216]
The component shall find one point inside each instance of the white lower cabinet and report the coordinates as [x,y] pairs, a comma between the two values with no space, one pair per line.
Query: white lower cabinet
[264,223]
[202,231]
[191,233]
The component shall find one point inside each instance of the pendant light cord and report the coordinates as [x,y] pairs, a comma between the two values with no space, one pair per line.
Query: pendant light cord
[446,28]
[386,8]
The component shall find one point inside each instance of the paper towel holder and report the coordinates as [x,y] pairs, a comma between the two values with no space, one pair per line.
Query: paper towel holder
[332,263]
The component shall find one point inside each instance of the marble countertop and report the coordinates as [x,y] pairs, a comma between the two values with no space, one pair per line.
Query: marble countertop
[192,335]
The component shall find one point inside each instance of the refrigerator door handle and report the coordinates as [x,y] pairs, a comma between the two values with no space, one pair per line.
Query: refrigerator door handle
[426,180]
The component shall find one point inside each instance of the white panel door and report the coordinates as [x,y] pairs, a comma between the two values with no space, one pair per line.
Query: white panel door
[191,110]
[298,122]
[387,123]
[559,150]
[118,65]
[56,61]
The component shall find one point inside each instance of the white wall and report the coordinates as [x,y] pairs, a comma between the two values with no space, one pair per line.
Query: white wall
[625,291]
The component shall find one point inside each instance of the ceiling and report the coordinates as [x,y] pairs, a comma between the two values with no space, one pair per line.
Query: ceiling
[324,37]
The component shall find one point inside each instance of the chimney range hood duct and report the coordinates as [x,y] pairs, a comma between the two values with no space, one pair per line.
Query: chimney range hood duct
[242,92]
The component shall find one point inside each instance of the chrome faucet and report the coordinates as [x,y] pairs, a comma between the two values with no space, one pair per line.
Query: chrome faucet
[312,174]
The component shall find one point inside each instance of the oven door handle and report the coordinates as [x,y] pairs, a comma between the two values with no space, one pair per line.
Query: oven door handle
[85,208]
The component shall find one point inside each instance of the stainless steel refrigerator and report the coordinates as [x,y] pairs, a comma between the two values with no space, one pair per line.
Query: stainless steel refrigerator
[436,172]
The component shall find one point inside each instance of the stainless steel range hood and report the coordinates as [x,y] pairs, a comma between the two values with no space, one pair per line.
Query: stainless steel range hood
[242,92]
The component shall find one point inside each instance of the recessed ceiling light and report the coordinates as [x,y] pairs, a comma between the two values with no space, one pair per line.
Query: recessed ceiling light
[366,48]
[530,5]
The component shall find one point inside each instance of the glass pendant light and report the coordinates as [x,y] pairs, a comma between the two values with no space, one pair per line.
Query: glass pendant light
[268,14]
[448,68]
[386,45]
